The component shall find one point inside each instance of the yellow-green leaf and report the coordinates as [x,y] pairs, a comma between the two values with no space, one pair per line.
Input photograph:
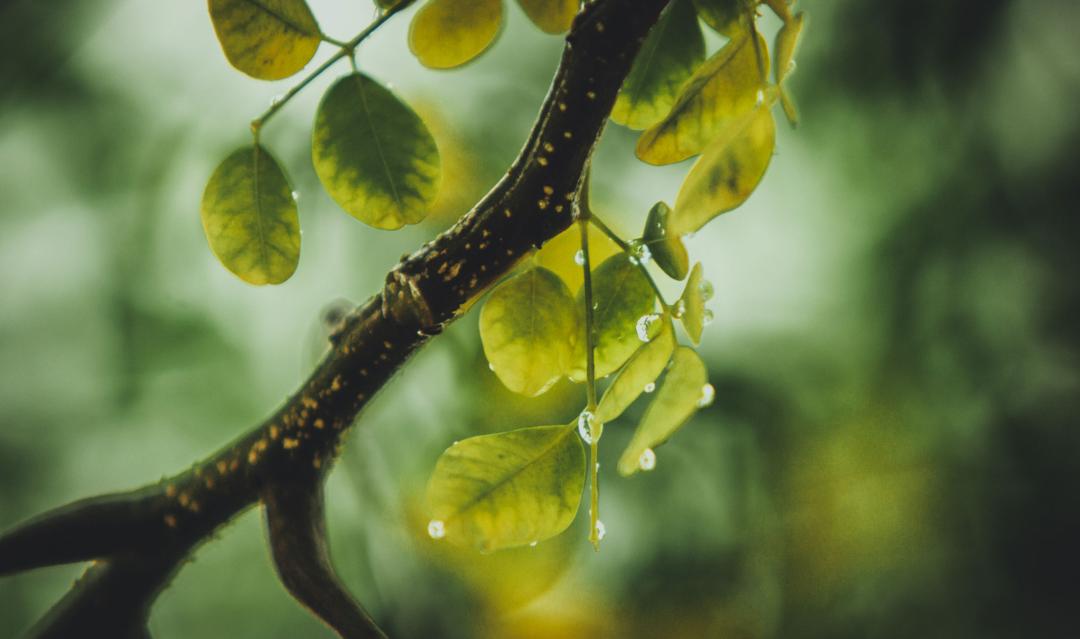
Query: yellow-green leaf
[507,489]
[552,16]
[787,42]
[527,327]
[266,39]
[722,90]
[621,296]
[684,390]
[674,48]
[641,370]
[667,248]
[725,16]
[694,315]
[373,154]
[448,33]
[728,172]
[250,219]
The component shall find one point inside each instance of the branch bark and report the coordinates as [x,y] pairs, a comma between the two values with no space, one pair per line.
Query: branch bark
[138,540]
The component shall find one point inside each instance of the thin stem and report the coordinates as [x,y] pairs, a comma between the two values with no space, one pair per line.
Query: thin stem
[595,427]
[629,250]
[345,49]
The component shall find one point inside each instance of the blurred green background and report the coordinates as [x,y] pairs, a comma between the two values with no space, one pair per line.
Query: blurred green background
[893,448]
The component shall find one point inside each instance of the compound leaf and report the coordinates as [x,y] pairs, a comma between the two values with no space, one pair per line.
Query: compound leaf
[552,16]
[640,370]
[373,154]
[674,48]
[667,248]
[508,489]
[266,39]
[448,33]
[679,397]
[250,218]
[527,327]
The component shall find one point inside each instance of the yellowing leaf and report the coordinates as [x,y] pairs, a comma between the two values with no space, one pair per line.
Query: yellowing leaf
[621,295]
[727,173]
[679,397]
[508,489]
[725,16]
[266,39]
[667,248]
[640,370]
[373,154]
[721,91]
[674,48]
[552,16]
[558,254]
[448,33]
[787,42]
[693,302]
[527,327]
[250,219]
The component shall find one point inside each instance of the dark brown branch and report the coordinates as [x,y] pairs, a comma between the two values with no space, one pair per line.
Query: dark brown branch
[158,527]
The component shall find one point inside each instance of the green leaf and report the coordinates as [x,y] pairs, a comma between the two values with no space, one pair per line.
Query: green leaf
[373,154]
[667,248]
[527,327]
[787,42]
[640,370]
[674,48]
[728,172]
[448,33]
[725,16]
[621,295]
[508,489]
[682,393]
[693,302]
[552,16]
[722,90]
[250,219]
[266,39]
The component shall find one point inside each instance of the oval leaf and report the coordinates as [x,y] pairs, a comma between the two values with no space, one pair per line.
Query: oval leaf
[642,369]
[266,39]
[373,154]
[693,301]
[527,327]
[552,16]
[250,219]
[448,33]
[621,295]
[721,91]
[674,48]
[675,403]
[727,173]
[667,248]
[508,489]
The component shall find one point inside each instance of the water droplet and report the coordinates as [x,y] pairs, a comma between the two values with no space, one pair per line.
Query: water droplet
[295,196]
[436,529]
[579,258]
[707,317]
[647,461]
[650,387]
[491,367]
[644,324]
[639,252]
[706,290]
[679,309]
[276,100]
[708,394]
[759,99]
[601,530]
[791,66]
[586,423]
[532,544]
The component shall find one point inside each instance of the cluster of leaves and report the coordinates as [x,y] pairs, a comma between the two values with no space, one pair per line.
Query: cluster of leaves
[523,486]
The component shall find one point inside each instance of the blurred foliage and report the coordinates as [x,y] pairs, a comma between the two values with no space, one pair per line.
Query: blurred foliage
[892,450]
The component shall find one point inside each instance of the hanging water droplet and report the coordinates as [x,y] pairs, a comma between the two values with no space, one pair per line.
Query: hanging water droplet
[585,422]
[532,544]
[601,530]
[579,258]
[436,529]
[759,99]
[791,66]
[491,367]
[647,460]
[650,387]
[295,196]
[639,252]
[679,309]
[708,394]
[644,326]
[706,290]
[707,317]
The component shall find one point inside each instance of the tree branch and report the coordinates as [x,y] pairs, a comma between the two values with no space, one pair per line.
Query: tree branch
[141,538]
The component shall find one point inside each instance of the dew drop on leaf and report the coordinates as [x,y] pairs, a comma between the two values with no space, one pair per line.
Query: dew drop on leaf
[579,258]
[706,289]
[276,100]
[707,317]
[647,460]
[759,98]
[650,387]
[532,544]
[644,326]
[436,529]
[295,196]
[708,394]
[601,530]
[639,252]
[679,309]
[586,421]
